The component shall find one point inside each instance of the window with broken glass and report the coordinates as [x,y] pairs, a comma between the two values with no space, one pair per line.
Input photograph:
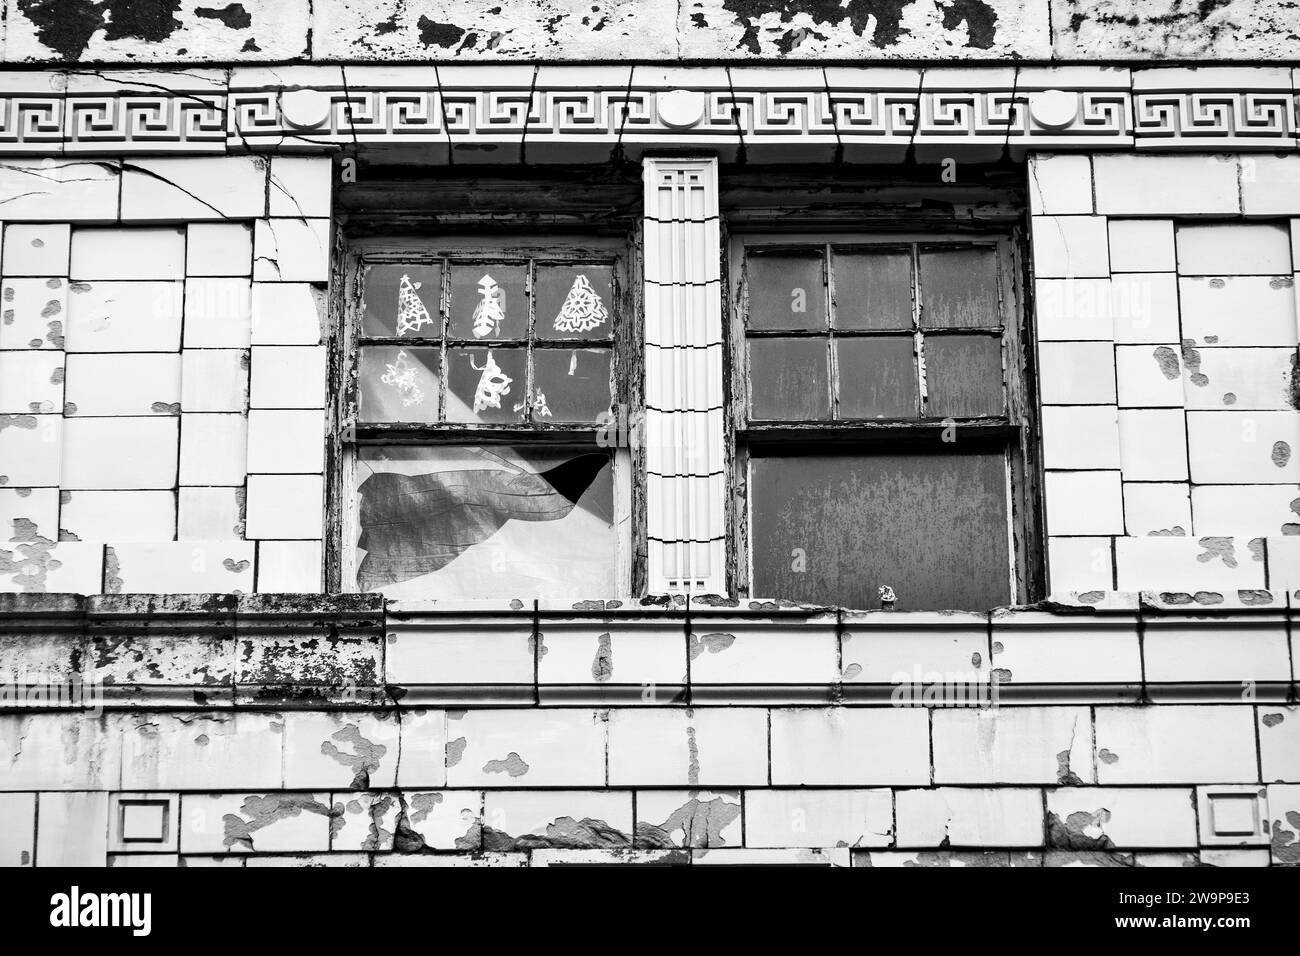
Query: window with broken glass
[879,421]
[477,380]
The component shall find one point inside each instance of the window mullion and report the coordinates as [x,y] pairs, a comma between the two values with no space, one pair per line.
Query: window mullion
[444,319]
[530,339]
[918,338]
[828,277]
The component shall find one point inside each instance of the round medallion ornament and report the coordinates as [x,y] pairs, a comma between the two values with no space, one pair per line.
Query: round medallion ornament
[305,109]
[1054,109]
[680,108]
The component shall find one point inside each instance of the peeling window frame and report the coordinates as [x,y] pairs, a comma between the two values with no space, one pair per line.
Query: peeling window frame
[349,433]
[1014,432]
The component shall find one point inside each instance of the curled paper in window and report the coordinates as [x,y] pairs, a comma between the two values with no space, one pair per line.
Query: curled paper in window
[582,310]
[412,525]
[401,376]
[411,313]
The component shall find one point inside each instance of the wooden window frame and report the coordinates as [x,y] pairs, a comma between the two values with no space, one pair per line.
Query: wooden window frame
[625,370]
[1014,432]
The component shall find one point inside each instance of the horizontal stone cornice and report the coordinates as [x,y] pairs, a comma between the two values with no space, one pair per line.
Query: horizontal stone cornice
[356,651]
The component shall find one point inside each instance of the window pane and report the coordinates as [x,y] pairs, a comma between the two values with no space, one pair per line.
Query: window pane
[834,528]
[963,375]
[574,302]
[570,385]
[398,384]
[788,380]
[477,522]
[401,300]
[486,385]
[785,290]
[873,290]
[488,301]
[959,289]
[878,377]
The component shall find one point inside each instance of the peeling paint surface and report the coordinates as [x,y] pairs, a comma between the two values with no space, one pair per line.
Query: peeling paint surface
[259,813]
[567,30]
[1172,29]
[157,30]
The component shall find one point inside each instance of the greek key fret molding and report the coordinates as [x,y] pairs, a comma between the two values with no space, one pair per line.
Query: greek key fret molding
[596,113]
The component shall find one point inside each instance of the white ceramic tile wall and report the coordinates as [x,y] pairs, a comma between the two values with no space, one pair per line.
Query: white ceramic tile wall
[1198,326]
[133,339]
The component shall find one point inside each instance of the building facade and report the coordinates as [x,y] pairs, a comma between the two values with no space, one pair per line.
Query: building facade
[530,432]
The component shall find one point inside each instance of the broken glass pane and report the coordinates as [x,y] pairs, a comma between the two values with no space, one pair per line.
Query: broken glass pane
[788,380]
[488,301]
[873,290]
[401,300]
[570,385]
[835,528]
[959,289]
[785,290]
[485,385]
[877,377]
[398,384]
[574,302]
[484,522]
[963,375]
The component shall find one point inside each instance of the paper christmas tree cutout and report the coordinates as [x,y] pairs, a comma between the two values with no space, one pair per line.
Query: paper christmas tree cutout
[401,376]
[411,313]
[492,384]
[490,310]
[582,310]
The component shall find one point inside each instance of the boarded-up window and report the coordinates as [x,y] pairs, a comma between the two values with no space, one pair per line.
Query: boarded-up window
[877,427]
[478,379]
[834,528]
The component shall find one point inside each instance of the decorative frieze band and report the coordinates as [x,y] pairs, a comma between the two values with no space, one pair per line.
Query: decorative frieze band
[547,114]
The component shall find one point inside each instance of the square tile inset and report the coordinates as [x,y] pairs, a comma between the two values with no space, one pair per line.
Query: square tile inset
[1232,815]
[143,823]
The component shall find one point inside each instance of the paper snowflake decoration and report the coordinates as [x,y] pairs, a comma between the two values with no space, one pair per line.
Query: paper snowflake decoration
[582,310]
[490,311]
[401,376]
[411,313]
[492,384]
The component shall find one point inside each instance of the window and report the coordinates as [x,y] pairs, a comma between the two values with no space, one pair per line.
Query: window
[879,420]
[477,374]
